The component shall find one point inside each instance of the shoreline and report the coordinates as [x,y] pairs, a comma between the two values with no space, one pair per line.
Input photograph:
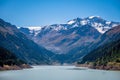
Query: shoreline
[14,67]
[110,68]
[25,66]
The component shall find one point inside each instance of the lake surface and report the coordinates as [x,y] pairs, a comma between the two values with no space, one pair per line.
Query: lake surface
[59,73]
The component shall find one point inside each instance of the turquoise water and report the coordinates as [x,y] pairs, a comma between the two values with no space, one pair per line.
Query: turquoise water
[59,73]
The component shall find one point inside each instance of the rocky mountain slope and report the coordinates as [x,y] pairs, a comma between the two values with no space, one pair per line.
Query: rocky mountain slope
[25,49]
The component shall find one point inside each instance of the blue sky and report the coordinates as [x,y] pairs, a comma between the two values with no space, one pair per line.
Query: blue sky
[45,12]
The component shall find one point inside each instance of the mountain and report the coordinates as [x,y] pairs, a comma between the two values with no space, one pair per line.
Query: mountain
[57,37]
[95,21]
[70,39]
[108,52]
[109,36]
[31,31]
[25,49]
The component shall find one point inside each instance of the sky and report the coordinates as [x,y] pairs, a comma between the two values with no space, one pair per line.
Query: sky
[45,12]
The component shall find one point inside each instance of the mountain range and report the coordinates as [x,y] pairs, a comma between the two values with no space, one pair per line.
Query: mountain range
[59,43]
[61,38]
[70,40]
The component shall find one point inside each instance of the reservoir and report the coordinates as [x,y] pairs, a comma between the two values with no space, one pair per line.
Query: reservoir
[59,73]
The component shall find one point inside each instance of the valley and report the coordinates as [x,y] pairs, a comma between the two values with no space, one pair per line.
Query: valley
[81,40]
[59,39]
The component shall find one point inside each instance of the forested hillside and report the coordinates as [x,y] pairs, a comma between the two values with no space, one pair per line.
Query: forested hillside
[8,61]
[106,55]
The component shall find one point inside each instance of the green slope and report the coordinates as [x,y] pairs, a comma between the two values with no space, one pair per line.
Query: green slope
[109,52]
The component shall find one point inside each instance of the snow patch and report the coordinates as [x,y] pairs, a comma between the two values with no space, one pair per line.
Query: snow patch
[99,27]
[97,24]
[93,17]
[114,25]
[59,27]
[56,27]
[108,22]
[83,22]
[36,28]
[18,27]
[70,22]
[76,25]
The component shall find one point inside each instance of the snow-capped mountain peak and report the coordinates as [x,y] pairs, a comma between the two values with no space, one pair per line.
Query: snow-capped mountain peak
[94,21]
[97,22]
[76,20]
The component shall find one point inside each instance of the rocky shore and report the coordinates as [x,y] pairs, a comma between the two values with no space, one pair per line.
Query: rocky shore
[101,67]
[14,67]
[105,67]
